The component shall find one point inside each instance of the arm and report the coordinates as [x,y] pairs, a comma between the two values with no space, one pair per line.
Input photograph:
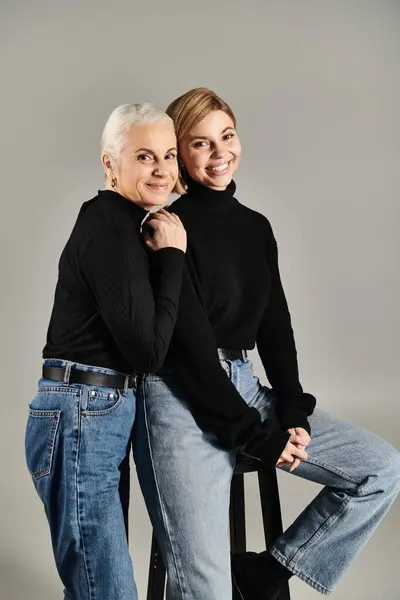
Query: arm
[139,313]
[277,350]
[217,405]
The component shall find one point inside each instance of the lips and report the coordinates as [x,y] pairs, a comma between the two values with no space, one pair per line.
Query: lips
[158,187]
[220,169]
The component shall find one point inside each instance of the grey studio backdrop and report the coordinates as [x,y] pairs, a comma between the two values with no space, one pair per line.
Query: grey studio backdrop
[316,89]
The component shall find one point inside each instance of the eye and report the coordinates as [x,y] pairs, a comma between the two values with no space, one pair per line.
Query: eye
[171,156]
[144,157]
[201,144]
[228,136]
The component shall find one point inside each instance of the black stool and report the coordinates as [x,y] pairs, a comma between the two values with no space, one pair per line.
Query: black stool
[271,515]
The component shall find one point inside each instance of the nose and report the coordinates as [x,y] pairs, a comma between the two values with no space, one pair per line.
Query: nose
[218,150]
[161,169]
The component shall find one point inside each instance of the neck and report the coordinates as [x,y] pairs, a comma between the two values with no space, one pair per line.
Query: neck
[139,203]
[134,208]
[216,200]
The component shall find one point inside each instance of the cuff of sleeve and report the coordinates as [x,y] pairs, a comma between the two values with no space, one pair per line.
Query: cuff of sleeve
[269,448]
[295,413]
[169,255]
[294,417]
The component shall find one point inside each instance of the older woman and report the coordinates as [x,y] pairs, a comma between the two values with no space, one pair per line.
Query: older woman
[206,402]
[114,312]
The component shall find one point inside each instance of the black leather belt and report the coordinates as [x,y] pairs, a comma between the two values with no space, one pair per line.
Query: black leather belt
[119,382]
[231,354]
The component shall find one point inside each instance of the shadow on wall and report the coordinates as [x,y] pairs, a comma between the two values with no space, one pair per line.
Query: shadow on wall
[19,582]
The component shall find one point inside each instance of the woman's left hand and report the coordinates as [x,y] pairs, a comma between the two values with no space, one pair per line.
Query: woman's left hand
[303,433]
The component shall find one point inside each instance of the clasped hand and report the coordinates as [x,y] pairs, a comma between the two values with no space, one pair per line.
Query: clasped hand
[295,449]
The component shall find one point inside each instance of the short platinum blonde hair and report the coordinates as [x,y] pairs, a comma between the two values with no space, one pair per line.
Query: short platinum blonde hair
[121,120]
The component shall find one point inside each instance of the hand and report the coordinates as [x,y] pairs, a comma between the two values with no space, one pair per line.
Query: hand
[305,440]
[303,433]
[168,231]
[293,452]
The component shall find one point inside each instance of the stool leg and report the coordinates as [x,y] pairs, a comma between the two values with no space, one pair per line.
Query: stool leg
[237,515]
[270,505]
[156,582]
[271,513]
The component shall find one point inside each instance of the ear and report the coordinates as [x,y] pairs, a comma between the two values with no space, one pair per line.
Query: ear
[107,165]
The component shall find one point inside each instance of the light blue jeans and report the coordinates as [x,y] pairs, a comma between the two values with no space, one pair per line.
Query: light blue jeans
[185,478]
[77,436]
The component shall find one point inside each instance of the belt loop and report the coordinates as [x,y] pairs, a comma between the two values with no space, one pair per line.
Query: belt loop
[67,372]
[126,384]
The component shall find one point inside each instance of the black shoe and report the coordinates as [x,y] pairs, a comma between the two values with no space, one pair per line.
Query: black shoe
[252,577]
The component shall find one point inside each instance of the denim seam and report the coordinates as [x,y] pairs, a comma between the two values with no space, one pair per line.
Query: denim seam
[62,389]
[327,467]
[290,564]
[78,502]
[56,415]
[165,521]
[321,529]
[106,411]
[293,569]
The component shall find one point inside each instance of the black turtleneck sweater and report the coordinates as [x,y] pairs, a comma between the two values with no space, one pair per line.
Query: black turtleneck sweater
[115,303]
[232,297]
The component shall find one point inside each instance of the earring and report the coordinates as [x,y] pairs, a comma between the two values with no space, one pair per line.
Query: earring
[114,182]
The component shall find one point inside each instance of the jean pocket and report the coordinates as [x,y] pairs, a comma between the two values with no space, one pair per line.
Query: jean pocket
[101,401]
[40,440]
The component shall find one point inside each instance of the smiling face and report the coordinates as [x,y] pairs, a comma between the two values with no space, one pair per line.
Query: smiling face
[211,151]
[146,169]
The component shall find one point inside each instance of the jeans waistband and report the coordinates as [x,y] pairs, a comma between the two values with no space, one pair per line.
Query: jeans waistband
[68,365]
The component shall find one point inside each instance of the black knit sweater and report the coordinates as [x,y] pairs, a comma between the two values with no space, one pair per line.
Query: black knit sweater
[115,303]
[232,297]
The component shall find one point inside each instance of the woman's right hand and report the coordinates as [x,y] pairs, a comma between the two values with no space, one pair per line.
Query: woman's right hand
[293,450]
[168,231]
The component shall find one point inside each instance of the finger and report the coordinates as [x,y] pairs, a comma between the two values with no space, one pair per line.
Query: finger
[304,434]
[297,452]
[283,463]
[149,242]
[157,224]
[158,216]
[177,220]
[296,463]
[287,456]
[296,439]
[165,213]
[177,217]
[300,453]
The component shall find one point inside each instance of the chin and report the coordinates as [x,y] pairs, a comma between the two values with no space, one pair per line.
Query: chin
[221,182]
[157,201]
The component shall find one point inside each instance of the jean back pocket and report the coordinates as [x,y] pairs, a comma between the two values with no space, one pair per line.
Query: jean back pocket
[40,439]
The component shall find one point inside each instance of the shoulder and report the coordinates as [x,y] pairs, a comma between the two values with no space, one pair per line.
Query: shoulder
[257,219]
[99,216]
[181,205]
[98,227]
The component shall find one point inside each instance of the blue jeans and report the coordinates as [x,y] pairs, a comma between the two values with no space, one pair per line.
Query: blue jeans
[189,476]
[77,436]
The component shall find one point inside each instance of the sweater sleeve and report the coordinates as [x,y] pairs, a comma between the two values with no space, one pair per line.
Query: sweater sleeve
[277,350]
[137,294]
[215,402]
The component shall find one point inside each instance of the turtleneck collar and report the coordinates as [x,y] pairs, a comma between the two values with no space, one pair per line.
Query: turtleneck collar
[138,212]
[215,200]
